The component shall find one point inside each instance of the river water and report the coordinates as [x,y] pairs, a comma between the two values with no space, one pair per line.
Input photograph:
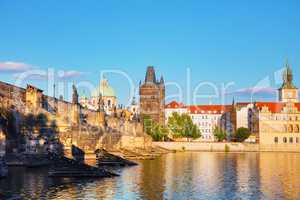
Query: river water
[197,175]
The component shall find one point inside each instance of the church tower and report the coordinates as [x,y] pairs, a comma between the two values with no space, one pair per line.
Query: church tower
[288,92]
[152,97]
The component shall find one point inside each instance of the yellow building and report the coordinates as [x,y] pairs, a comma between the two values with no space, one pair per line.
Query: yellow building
[276,124]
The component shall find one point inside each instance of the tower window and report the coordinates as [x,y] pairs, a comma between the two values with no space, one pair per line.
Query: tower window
[291,140]
[284,140]
[276,139]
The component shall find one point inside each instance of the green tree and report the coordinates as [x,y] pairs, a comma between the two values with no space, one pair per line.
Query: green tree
[183,126]
[242,134]
[159,133]
[156,131]
[219,134]
[148,124]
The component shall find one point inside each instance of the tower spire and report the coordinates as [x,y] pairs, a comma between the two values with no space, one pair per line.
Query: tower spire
[287,76]
[150,75]
[162,81]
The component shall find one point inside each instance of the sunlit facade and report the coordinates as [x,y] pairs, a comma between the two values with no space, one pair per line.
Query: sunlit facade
[104,91]
[206,117]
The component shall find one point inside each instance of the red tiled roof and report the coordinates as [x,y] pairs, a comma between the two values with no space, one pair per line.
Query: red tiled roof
[195,109]
[175,104]
[212,109]
[274,107]
[243,103]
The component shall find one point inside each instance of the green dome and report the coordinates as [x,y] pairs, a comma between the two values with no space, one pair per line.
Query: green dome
[105,89]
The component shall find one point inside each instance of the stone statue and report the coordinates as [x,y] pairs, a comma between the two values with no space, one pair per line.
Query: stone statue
[75,95]
[100,103]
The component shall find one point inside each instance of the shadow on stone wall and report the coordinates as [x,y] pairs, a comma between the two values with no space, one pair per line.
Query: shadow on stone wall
[22,130]
[77,154]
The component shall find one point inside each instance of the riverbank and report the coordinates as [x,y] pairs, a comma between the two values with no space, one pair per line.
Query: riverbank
[225,147]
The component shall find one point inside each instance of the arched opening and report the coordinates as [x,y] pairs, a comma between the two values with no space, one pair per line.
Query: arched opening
[296,128]
[285,129]
[284,140]
[276,139]
[290,128]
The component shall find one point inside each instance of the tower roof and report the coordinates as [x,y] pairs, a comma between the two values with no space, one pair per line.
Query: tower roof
[287,77]
[104,89]
[150,75]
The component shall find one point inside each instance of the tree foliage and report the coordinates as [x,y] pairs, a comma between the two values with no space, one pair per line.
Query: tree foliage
[156,131]
[219,134]
[183,126]
[242,134]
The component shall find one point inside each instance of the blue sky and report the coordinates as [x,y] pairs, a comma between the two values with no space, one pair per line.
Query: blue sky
[219,41]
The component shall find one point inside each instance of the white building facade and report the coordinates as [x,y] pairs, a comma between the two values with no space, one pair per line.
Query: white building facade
[206,117]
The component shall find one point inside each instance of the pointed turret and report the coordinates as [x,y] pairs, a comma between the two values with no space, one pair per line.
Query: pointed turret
[150,75]
[287,77]
[162,81]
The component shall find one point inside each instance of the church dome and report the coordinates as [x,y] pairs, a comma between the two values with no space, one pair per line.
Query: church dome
[105,89]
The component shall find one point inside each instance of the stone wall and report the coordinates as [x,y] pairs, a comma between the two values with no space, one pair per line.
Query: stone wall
[280,147]
[201,146]
[125,127]
[76,127]
[132,142]
[2,143]
[232,147]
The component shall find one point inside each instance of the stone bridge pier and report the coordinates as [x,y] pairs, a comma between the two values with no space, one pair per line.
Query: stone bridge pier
[3,166]
[81,144]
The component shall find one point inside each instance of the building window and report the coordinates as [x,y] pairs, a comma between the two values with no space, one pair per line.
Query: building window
[297,140]
[284,140]
[276,139]
[285,128]
[291,140]
[290,128]
[296,129]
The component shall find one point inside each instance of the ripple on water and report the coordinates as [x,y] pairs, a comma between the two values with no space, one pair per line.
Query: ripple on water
[201,175]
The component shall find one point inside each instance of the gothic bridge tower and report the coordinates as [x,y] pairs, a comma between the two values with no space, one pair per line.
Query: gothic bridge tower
[152,97]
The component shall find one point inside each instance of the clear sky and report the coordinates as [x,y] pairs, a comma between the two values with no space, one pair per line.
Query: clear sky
[219,41]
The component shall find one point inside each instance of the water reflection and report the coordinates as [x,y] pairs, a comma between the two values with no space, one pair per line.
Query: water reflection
[201,175]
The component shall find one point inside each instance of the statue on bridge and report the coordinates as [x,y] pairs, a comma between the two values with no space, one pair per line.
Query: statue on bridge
[75,95]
